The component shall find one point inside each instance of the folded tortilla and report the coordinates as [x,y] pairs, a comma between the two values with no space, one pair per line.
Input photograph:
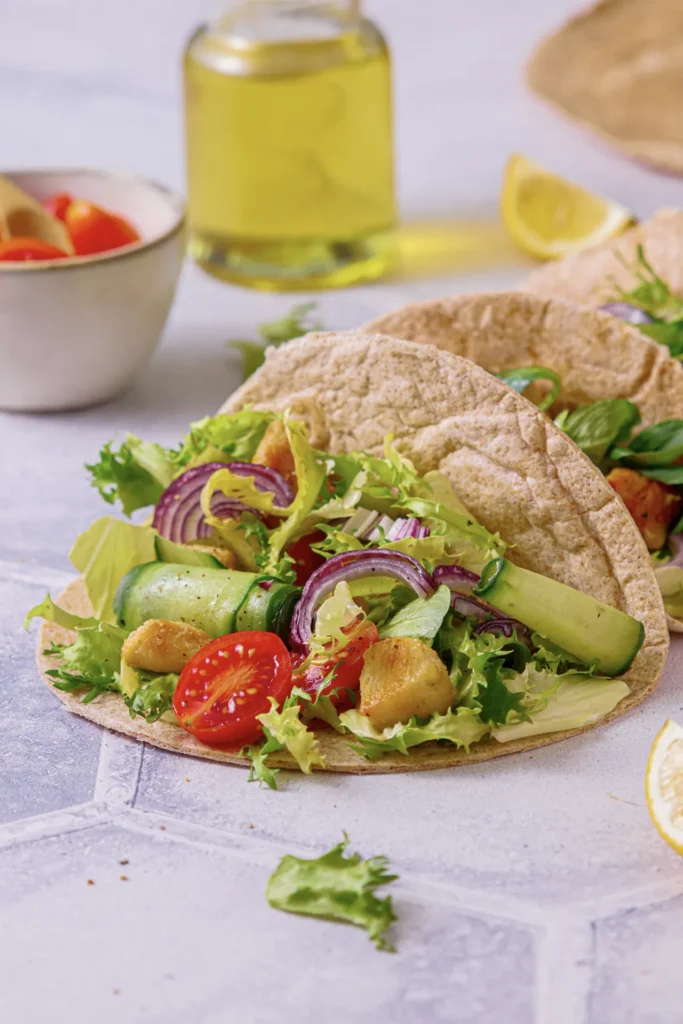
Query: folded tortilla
[596,275]
[511,466]
[616,70]
[595,355]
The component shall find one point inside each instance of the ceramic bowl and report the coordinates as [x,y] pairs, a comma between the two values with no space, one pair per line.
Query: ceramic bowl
[76,331]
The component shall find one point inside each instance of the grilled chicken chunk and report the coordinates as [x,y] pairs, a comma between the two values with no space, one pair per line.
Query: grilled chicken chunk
[403,677]
[274,451]
[654,506]
[162,646]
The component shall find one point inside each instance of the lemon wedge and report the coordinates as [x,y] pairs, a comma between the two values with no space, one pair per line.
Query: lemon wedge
[549,217]
[664,784]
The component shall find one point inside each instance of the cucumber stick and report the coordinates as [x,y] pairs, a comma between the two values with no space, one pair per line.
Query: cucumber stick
[586,628]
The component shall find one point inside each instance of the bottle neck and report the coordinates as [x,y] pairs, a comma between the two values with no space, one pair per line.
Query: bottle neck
[255,22]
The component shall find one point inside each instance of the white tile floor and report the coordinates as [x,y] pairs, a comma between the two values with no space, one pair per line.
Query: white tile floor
[532,888]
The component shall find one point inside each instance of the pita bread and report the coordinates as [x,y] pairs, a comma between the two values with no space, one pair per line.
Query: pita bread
[514,469]
[595,275]
[595,355]
[617,69]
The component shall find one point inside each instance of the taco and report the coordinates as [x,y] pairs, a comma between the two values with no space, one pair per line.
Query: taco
[638,278]
[617,393]
[374,558]
[615,69]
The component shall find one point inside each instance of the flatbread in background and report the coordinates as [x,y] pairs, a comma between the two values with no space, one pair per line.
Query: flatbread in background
[595,355]
[514,469]
[617,69]
[595,275]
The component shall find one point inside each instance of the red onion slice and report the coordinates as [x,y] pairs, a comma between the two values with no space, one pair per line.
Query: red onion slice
[178,515]
[624,311]
[469,607]
[353,565]
[404,528]
[457,579]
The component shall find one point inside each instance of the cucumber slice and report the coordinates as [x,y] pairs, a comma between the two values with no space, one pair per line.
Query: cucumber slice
[588,629]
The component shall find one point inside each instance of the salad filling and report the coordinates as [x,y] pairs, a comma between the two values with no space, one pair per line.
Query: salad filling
[273,591]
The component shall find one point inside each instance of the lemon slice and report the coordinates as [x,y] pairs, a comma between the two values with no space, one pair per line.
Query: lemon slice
[664,784]
[549,217]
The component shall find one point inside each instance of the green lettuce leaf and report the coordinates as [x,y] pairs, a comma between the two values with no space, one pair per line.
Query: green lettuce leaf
[461,727]
[670,579]
[576,702]
[669,334]
[92,662]
[275,332]
[422,618]
[153,696]
[51,612]
[337,888]
[521,378]
[652,293]
[289,731]
[136,474]
[598,426]
[335,614]
[104,553]
[223,438]
[658,445]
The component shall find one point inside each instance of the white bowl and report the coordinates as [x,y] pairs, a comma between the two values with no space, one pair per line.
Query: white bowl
[75,331]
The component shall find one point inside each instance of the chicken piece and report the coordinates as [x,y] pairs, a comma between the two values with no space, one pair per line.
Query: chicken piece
[403,677]
[225,556]
[654,506]
[162,646]
[274,451]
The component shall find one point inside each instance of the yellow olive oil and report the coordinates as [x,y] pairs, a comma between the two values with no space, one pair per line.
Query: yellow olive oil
[290,151]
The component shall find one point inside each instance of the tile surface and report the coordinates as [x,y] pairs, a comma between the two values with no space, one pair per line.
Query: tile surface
[533,888]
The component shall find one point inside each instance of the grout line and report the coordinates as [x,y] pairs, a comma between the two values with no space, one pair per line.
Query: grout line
[52,823]
[53,579]
[118,770]
[564,970]
[256,849]
[646,895]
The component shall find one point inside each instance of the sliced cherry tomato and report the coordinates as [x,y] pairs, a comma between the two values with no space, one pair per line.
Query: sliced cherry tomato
[348,667]
[305,560]
[94,230]
[58,204]
[228,683]
[20,249]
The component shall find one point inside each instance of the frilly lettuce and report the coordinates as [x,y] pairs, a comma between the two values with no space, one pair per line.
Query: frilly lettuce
[51,612]
[337,888]
[335,614]
[136,474]
[461,727]
[227,437]
[152,697]
[104,553]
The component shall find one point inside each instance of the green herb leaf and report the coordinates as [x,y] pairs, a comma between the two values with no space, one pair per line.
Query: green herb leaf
[337,888]
[652,293]
[521,378]
[598,426]
[670,334]
[658,445]
[422,618]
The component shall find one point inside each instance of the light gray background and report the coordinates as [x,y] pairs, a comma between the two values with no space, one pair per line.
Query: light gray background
[532,888]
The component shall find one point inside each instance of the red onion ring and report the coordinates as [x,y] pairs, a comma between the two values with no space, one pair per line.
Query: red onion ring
[352,565]
[469,607]
[404,528]
[457,579]
[178,515]
[624,311]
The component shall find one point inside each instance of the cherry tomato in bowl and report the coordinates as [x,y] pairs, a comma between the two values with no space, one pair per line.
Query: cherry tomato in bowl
[58,204]
[18,250]
[228,683]
[94,230]
[346,668]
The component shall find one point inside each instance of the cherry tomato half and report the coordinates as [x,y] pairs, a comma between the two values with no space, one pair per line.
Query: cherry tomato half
[305,560]
[348,667]
[21,249]
[94,230]
[58,204]
[228,683]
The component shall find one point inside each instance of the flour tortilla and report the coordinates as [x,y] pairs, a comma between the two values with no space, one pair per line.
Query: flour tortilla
[595,275]
[617,69]
[595,355]
[517,473]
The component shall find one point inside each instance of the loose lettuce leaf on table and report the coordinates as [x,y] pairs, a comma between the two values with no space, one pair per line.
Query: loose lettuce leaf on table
[335,887]
[275,332]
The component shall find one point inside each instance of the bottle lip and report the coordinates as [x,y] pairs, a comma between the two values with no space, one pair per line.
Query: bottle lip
[246,26]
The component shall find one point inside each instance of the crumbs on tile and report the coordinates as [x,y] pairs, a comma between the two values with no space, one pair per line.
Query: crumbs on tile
[124,861]
[90,881]
[123,878]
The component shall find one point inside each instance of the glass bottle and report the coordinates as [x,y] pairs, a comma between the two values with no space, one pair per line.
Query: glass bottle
[289,145]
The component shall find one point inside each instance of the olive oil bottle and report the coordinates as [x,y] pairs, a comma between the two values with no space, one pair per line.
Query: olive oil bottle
[289,146]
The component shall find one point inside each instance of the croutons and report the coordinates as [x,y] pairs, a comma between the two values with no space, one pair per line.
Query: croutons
[161,646]
[654,506]
[274,451]
[403,677]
